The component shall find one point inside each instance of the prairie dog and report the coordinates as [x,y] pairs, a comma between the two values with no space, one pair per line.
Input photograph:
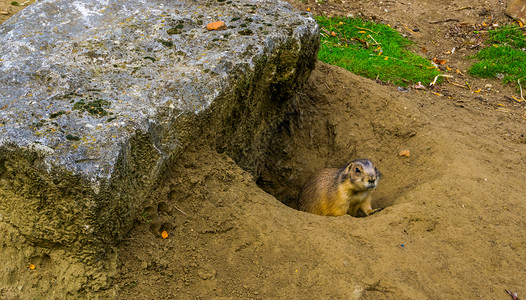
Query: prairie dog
[336,192]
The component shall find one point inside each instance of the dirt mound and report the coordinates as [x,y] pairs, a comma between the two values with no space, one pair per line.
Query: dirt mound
[452,224]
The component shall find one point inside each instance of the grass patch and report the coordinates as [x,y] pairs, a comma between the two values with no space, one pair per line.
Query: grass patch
[504,56]
[372,50]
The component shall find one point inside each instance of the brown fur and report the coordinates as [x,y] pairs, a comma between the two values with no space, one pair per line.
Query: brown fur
[336,192]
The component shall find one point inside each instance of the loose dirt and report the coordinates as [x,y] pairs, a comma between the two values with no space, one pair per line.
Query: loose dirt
[452,226]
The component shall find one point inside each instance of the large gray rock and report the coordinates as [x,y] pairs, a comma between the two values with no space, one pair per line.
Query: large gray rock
[97,99]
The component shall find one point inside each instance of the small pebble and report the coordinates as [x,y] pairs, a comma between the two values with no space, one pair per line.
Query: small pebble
[405,153]
[144,265]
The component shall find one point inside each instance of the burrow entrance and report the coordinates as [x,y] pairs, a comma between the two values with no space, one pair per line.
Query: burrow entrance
[336,119]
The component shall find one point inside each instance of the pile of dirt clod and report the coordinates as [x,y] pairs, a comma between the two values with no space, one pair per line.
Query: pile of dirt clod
[453,224]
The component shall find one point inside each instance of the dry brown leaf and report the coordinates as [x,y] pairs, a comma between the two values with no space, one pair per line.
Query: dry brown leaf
[439,61]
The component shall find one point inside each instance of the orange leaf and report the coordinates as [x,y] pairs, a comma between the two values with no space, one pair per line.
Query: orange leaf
[477,91]
[32,266]
[386,57]
[424,49]
[164,234]
[439,61]
[308,9]
[219,25]
[333,33]
[405,153]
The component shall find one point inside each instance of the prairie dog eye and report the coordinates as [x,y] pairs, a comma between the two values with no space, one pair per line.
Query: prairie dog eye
[358,171]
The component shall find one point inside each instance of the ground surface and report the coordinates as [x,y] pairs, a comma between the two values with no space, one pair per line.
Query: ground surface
[453,226]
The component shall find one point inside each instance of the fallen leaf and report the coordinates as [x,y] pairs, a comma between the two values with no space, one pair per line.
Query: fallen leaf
[333,33]
[424,49]
[514,296]
[405,153]
[219,25]
[32,266]
[308,8]
[164,234]
[419,86]
[477,91]
[439,61]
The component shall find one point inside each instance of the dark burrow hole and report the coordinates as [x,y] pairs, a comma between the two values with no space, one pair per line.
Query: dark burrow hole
[309,140]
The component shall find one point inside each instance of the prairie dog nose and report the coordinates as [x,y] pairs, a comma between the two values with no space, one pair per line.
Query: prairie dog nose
[372,180]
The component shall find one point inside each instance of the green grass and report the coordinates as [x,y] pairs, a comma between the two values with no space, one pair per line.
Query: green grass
[372,50]
[503,57]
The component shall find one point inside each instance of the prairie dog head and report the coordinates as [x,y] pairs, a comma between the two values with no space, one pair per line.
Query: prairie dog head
[362,174]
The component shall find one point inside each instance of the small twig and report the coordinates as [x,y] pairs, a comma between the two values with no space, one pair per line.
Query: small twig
[408,29]
[439,75]
[366,29]
[180,210]
[374,40]
[520,87]
[444,21]
[325,30]
[327,86]
[462,8]
[456,84]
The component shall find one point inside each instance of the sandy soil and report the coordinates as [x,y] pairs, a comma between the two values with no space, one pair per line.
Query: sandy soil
[453,220]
